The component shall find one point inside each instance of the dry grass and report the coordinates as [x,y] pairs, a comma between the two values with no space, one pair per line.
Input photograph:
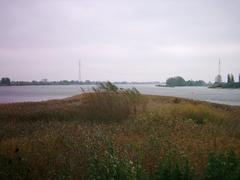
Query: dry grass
[55,139]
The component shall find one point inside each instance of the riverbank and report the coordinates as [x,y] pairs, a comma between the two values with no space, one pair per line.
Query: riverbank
[226,85]
[55,139]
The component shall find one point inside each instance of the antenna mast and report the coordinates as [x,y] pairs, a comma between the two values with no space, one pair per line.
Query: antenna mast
[219,67]
[79,71]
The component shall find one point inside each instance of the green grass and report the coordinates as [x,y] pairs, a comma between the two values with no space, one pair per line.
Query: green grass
[119,134]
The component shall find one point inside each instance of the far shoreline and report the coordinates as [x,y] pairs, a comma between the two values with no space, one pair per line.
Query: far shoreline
[210,87]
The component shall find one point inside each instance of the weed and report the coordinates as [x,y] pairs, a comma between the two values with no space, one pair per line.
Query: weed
[108,103]
[223,166]
[55,139]
[176,100]
[111,166]
[170,169]
[13,168]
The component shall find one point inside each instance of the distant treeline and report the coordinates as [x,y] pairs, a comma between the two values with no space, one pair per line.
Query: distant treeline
[7,82]
[63,82]
[179,81]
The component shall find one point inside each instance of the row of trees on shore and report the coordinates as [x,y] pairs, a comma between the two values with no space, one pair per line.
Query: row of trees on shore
[229,84]
[179,81]
[172,81]
[230,78]
[5,81]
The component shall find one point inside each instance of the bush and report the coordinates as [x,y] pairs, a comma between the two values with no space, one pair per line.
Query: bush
[223,166]
[108,103]
[176,100]
[172,170]
[199,114]
[13,168]
[111,166]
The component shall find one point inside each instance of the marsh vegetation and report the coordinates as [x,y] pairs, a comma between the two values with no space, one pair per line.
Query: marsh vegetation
[113,133]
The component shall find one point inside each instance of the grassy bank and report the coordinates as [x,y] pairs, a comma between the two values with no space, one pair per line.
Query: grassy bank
[119,135]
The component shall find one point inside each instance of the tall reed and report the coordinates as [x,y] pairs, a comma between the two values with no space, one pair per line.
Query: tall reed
[109,103]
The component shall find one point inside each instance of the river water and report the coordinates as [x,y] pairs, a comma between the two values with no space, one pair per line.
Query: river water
[10,94]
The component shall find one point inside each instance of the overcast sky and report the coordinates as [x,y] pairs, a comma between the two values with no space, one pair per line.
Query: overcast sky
[133,40]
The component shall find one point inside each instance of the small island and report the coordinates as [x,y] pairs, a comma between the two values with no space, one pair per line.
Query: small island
[180,81]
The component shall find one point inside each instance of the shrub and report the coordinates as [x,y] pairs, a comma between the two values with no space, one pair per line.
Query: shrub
[111,166]
[170,169]
[176,100]
[109,103]
[223,166]
[199,114]
[13,168]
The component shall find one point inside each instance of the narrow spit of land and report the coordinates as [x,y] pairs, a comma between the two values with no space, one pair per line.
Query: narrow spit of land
[168,137]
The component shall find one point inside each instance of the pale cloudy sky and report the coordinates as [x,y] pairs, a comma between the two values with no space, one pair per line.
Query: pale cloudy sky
[133,40]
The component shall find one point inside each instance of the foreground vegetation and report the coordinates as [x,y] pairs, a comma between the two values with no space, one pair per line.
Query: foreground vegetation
[119,134]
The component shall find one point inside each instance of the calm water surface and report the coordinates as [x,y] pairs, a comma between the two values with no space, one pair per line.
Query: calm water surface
[11,94]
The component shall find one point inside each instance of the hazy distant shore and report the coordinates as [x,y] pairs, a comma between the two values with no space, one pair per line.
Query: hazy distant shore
[66,82]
